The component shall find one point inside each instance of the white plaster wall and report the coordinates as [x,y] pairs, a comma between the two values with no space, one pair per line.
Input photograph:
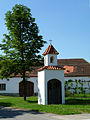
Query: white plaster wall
[77,78]
[41,87]
[80,78]
[43,78]
[47,60]
[12,85]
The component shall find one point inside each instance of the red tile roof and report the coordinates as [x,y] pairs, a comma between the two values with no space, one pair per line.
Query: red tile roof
[51,68]
[50,50]
[29,74]
[68,69]
[79,70]
[72,61]
[73,68]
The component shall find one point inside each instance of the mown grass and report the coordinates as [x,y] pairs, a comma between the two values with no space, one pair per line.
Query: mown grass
[72,106]
[81,95]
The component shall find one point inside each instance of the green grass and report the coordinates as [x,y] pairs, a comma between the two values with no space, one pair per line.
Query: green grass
[81,95]
[73,105]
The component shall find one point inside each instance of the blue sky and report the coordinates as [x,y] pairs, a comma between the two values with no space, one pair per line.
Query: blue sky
[66,22]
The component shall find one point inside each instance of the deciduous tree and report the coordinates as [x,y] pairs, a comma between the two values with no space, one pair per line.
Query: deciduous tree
[22,44]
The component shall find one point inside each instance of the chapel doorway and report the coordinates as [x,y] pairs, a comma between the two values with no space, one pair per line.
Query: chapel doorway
[54,92]
[29,89]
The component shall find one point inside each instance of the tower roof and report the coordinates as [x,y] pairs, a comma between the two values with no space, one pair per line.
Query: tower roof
[50,50]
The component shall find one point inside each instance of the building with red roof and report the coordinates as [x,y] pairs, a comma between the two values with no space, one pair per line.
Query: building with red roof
[74,69]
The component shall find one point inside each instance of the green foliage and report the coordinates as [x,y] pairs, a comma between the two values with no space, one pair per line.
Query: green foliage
[22,44]
[68,93]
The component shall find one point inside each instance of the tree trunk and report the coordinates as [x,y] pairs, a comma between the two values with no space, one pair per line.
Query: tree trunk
[23,62]
[25,85]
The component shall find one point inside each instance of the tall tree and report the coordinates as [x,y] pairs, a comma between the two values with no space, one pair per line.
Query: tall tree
[22,44]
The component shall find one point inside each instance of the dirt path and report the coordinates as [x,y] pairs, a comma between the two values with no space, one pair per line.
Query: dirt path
[16,114]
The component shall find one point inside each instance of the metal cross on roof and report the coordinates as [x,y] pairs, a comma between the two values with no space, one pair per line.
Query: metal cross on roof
[50,41]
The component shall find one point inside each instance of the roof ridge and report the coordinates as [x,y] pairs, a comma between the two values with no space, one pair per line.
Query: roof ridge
[50,50]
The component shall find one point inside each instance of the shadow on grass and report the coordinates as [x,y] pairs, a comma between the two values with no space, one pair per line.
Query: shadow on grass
[5,104]
[76,101]
[7,112]
[32,101]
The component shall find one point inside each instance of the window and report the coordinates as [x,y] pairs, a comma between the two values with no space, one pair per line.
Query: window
[51,59]
[68,70]
[2,86]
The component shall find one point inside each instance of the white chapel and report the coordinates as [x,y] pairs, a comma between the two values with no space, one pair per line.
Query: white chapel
[51,79]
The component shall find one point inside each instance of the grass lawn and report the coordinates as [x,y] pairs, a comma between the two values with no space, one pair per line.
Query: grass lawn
[73,105]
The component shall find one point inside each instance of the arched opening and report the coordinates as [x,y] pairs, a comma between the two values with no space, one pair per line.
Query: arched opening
[29,88]
[54,92]
[51,59]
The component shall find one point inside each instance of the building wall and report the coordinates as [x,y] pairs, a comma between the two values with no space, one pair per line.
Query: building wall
[85,79]
[43,78]
[41,87]
[47,60]
[12,85]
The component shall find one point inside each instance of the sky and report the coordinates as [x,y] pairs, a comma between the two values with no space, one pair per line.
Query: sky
[66,22]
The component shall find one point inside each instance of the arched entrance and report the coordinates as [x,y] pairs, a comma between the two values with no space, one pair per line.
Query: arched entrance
[54,92]
[29,88]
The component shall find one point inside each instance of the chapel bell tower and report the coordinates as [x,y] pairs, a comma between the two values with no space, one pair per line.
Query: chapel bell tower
[50,56]
[51,79]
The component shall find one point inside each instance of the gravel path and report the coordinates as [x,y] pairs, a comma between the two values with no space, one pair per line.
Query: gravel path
[16,114]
